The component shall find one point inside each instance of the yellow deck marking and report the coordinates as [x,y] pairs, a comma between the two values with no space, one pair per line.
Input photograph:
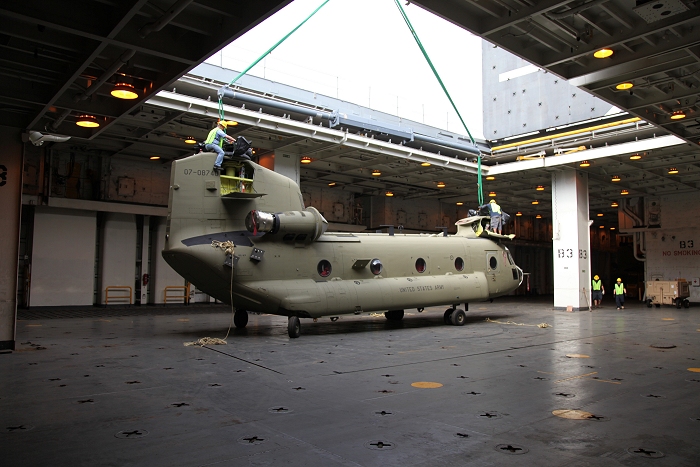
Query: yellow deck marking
[572,414]
[577,355]
[668,319]
[694,370]
[426,385]
[606,381]
[183,320]
[576,377]
[33,325]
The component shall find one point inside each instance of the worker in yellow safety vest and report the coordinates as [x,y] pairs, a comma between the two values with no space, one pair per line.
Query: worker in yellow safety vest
[597,291]
[495,213]
[620,292]
[214,141]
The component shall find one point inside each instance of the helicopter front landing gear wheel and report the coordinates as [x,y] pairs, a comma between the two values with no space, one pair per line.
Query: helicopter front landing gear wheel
[240,318]
[293,327]
[447,317]
[459,317]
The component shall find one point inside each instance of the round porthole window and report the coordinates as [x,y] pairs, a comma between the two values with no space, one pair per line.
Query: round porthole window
[376,267]
[493,262]
[459,263]
[324,268]
[420,265]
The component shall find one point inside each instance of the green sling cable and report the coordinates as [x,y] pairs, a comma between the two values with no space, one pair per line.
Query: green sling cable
[427,58]
[221,104]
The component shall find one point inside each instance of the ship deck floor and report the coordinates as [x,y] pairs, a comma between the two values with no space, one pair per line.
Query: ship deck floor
[116,386]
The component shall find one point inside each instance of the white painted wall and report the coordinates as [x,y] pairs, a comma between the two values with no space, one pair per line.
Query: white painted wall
[163,274]
[673,251]
[63,257]
[118,252]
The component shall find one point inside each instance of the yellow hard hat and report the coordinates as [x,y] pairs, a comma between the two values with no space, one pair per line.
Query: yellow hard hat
[596,277]
[619,280]
[492,201]
[223,123]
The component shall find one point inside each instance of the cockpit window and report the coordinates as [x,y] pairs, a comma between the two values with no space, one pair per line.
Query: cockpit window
[510,258]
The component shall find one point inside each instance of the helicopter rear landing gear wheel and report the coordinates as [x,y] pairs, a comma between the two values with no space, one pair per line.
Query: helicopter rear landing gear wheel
[649,304]
[447,317]
[459,317]
[293,327]
[240,318]
[394,315]
[686,303]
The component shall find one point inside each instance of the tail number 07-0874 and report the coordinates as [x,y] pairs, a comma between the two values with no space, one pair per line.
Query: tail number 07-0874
[201,173]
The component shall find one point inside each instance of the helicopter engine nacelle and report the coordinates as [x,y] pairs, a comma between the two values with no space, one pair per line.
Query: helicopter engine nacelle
[301,226]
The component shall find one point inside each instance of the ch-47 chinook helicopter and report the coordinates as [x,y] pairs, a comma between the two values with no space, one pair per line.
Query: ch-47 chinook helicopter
[281,261]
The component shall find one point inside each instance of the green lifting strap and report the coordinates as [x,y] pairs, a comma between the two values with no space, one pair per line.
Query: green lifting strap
[432,67]
[221,104]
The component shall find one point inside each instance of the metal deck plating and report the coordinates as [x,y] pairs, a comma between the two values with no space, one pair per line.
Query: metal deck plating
[119,388]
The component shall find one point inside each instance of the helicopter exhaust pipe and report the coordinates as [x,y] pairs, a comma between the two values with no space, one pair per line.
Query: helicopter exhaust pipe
[302,226]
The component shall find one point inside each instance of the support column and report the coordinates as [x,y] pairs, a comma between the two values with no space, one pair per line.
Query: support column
[145,240]
[571,241]
[11,159]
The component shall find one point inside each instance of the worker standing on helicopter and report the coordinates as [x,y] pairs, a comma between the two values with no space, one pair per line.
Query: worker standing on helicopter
[495,213]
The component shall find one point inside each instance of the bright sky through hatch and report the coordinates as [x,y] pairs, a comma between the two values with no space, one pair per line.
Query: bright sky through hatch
[361,51]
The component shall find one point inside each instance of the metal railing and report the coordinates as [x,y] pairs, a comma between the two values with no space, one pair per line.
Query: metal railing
[124,292]
[185,297]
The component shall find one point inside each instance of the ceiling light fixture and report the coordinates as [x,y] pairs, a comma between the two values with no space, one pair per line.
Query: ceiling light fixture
[376,173]
[124,91]
[616,178]
[305,160]
[441,184]
[672,171]
[677,115]
[518,214]
[539,188]
[154,158]
[425,164]
[87,121]
[624,86]
[600,214]
[490,177]
[624,192]
[492,194]
[389,194]
[190,140]
[331,184]
[538,216]
[635,157]
[535,202]
[459,203]
[614,204]
[584,164]
[603,53]
[601,226]
[612,228]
